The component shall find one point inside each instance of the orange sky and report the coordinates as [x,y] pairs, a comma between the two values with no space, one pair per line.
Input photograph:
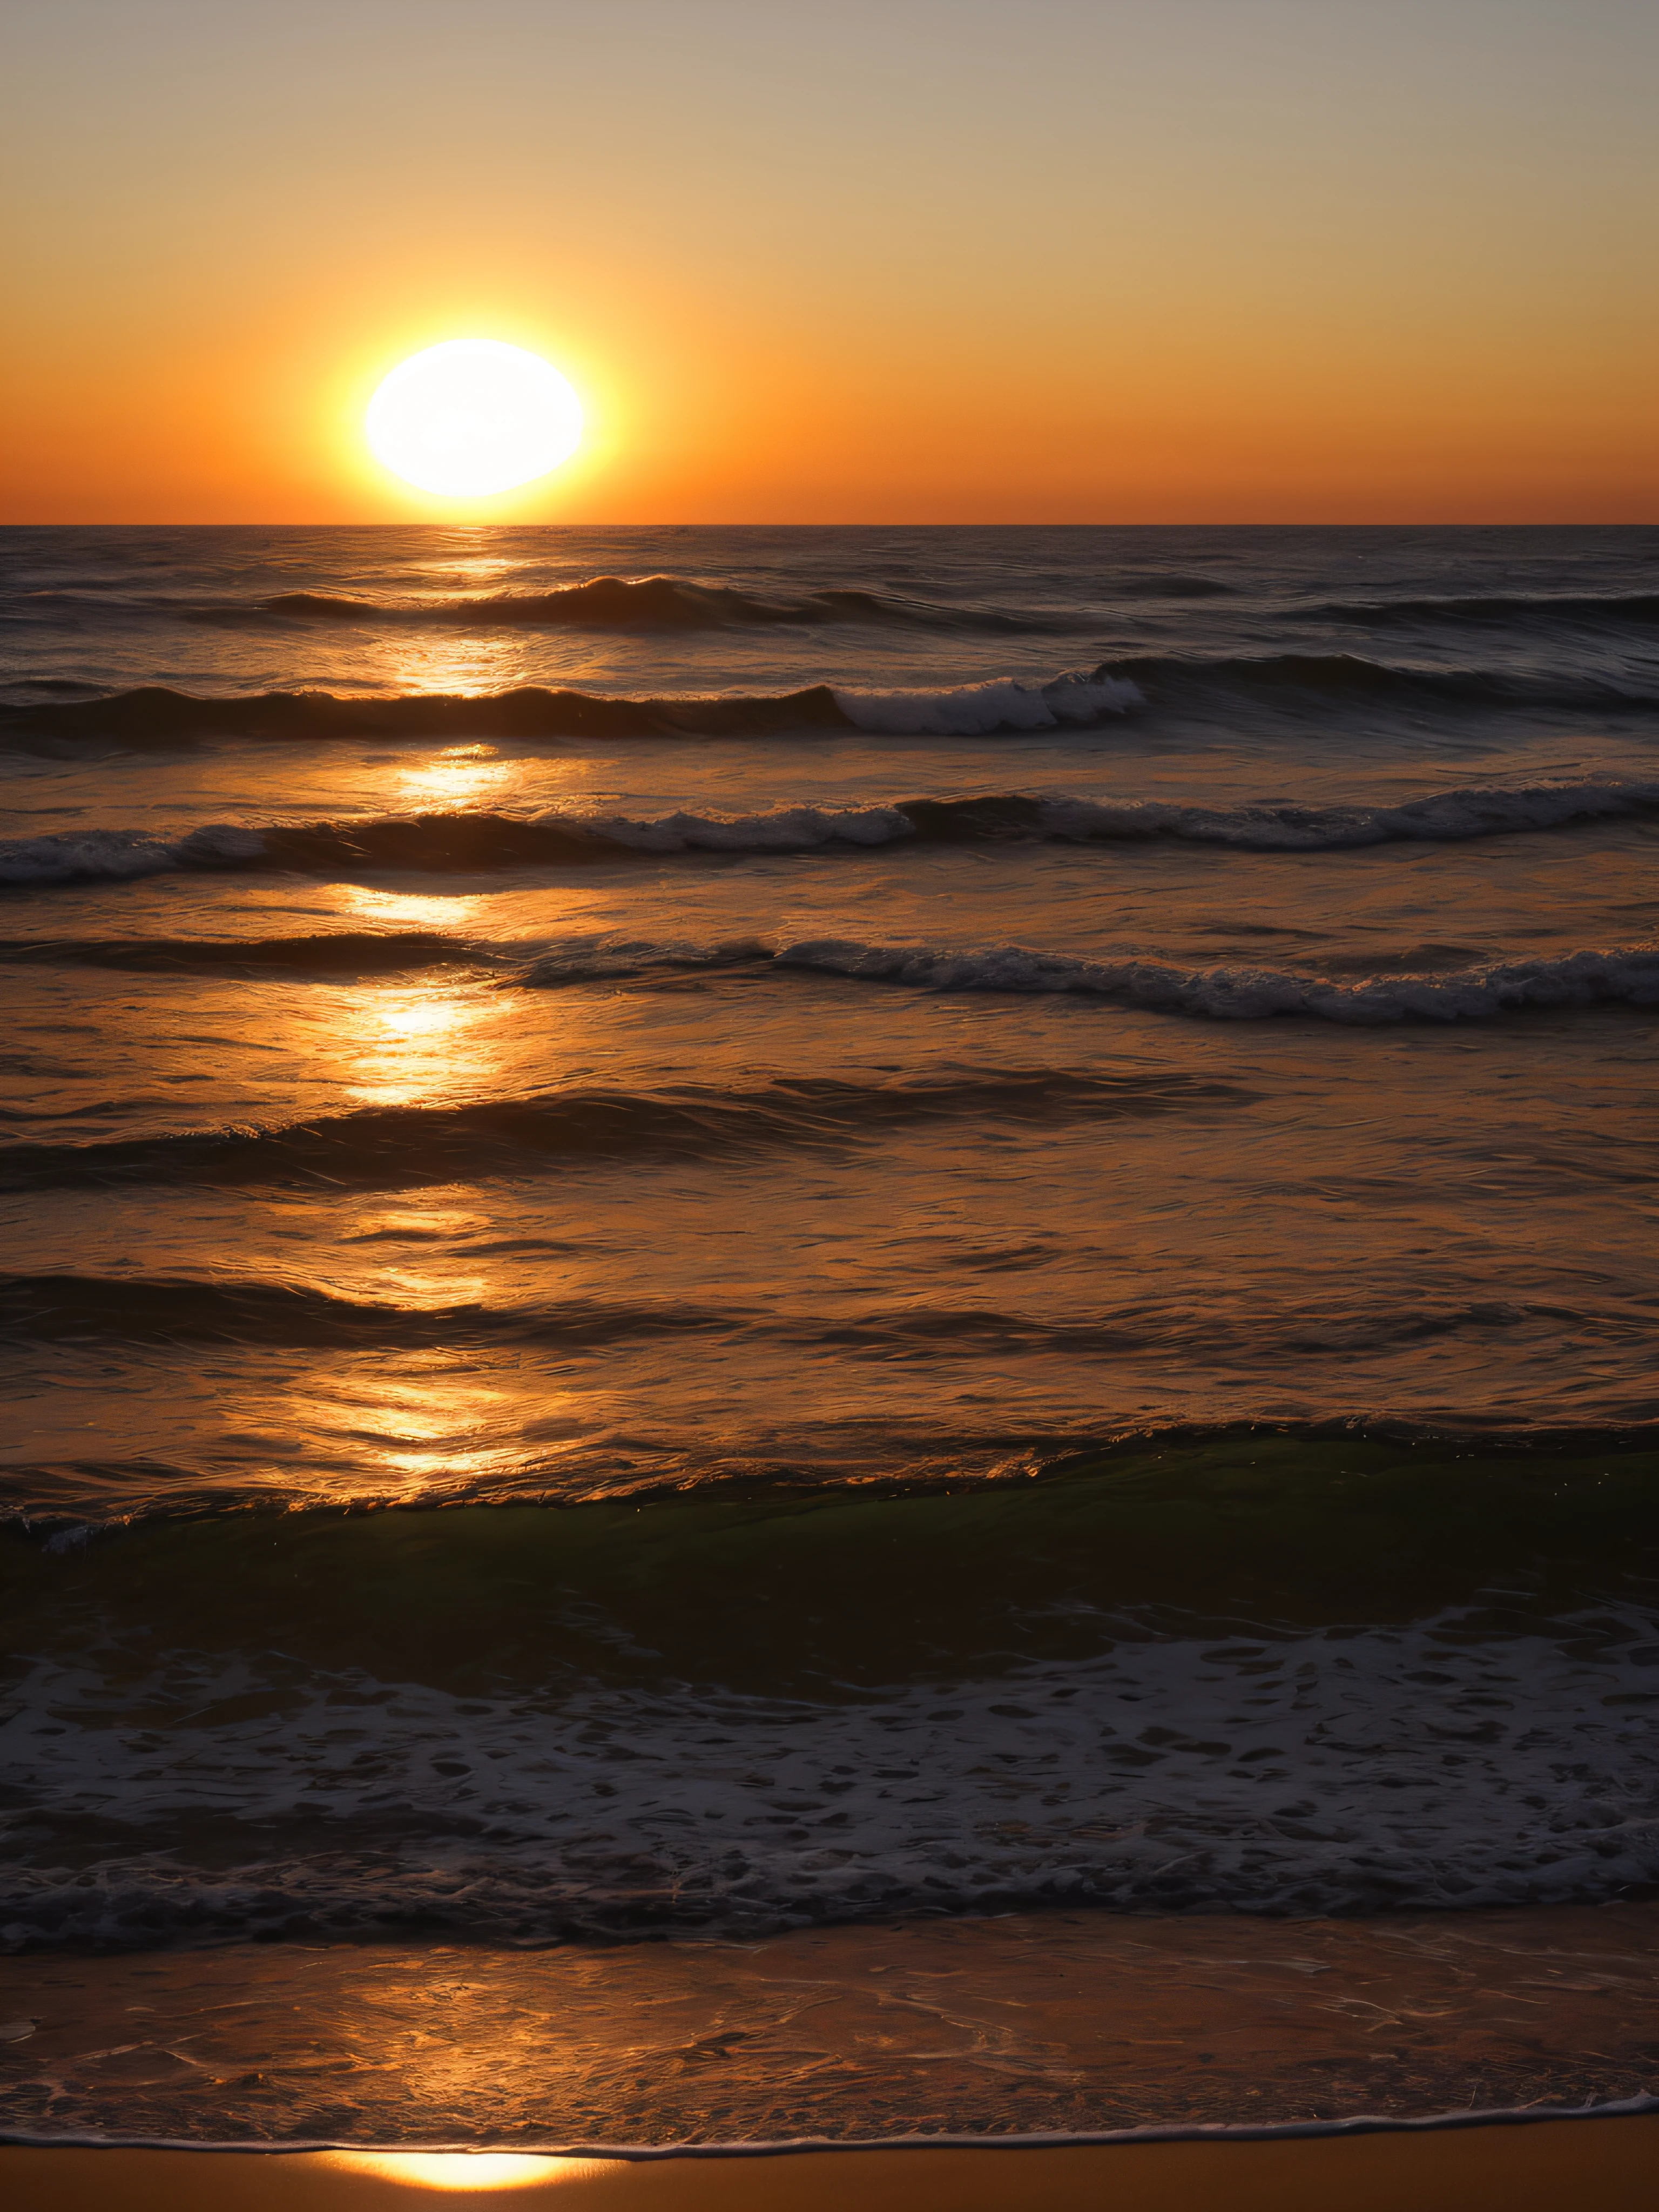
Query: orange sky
[925,260]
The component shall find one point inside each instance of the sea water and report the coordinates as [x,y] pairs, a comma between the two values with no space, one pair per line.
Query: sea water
[712,1229]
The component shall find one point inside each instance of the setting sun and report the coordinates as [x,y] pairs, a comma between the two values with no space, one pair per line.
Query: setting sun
[472,417]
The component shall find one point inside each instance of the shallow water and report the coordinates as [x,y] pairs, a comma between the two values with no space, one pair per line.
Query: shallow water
[987,1194]
[1027,2027]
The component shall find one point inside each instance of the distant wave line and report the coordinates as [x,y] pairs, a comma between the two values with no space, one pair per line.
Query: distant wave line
[394,1148]
[647,603]
[1641,608]
[461,840]
[1227,991]
[259,1313]
[661,602]
[1235,993]
[154,715]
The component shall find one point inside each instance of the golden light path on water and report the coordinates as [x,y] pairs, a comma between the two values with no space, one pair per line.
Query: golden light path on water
[467,664]
[395,910]
[438,1417]
[460,776]
[411,1045]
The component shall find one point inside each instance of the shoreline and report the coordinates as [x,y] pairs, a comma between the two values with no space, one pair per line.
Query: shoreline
[1537,2167]
[1078,2029]
[1645,2105]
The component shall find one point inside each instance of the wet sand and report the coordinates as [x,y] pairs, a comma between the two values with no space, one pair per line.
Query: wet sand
[1588,2166]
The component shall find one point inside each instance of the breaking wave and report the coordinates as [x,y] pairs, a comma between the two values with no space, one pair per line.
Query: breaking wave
[1227,991]
[157,716]
[1232,993]
[743,1707]
[609,1123]
[479,841]
[631,1806]
[439,843]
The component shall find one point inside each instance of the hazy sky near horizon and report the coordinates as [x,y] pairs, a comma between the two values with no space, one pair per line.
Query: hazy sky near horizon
[882,260]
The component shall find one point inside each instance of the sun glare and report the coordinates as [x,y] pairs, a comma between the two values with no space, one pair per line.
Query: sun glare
[473,417]
[465,2170]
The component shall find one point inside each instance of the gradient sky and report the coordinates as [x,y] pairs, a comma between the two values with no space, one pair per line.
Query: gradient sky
[844,260]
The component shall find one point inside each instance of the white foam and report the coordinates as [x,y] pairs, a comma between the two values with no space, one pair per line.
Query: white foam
[1427,1765]
[117,855]
[112,854]
[1240,994]
[973,710]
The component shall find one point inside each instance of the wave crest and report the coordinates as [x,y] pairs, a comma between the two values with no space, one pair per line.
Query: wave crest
[394,1147]
[974,710]
[155,715]
[643,603]
[1237,993]
[158,716]
[557,837]
[657,603]
[1335,677]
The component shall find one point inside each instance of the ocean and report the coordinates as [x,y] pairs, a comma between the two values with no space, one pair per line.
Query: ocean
[712,1231]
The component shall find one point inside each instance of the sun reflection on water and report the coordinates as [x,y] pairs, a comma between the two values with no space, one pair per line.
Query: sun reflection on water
[457,666]
[405,1045]
[459,776]
[444,1420]
[421,1017]
[468,2170]
[443,910]
[456,1409]
[465,661]
[437,1272]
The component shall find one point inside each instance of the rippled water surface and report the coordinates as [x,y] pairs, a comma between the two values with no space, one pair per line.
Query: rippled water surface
[989,1196]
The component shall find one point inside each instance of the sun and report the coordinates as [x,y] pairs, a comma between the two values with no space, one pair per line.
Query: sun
[473,417]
